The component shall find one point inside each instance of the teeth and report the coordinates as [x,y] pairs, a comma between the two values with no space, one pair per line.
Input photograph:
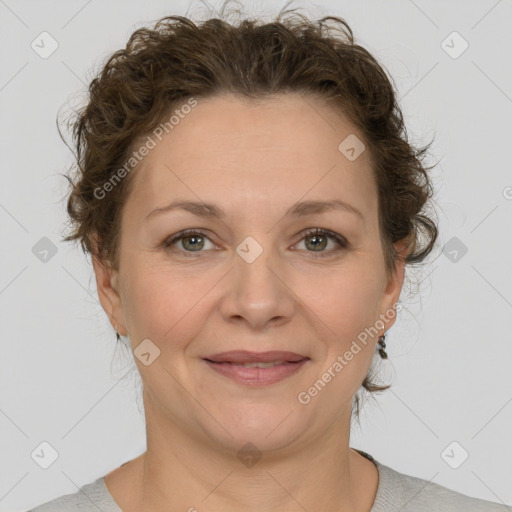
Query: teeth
[258,365]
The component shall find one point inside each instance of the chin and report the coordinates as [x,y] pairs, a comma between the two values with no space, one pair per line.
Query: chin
[267,426]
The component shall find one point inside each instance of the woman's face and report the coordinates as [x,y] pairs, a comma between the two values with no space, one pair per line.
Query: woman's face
[252,279]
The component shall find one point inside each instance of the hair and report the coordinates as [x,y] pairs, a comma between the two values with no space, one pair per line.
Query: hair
[162,67]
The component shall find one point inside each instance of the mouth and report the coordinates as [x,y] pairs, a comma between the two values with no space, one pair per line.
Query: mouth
[256,364]
[256,369]
[242,357]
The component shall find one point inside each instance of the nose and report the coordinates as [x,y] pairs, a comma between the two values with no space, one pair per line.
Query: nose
[259,291]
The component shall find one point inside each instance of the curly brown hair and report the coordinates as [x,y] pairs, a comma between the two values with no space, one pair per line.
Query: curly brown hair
[163,67]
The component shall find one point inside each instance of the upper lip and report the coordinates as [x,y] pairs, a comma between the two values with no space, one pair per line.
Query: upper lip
[244,356]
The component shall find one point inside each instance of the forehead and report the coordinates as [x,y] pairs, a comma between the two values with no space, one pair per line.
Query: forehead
[273,150]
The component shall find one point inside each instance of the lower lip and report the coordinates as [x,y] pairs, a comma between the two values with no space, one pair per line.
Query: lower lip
[257,376]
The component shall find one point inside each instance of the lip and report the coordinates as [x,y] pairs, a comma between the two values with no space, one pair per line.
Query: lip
[257,377]
[245,356]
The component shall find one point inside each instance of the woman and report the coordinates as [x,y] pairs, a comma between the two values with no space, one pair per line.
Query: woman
[250,201]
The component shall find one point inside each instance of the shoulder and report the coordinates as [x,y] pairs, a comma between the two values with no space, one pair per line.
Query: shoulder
[406,493]
[91,497]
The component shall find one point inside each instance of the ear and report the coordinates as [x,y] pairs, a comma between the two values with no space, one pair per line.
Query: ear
[393,288]
[107,281]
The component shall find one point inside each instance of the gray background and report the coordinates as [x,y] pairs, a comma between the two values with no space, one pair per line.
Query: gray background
[61,381]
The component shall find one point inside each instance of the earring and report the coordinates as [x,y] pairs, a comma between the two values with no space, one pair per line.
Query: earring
[382,345]
[118,336]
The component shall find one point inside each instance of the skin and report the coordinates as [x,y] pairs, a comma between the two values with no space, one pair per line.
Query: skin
[254,160]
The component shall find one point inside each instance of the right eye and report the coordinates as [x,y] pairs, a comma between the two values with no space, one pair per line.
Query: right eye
[192,240]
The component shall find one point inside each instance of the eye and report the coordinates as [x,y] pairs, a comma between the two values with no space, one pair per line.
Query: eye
[193,241]
[319,238]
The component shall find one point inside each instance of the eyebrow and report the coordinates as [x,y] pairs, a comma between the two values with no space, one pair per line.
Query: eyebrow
[301,209]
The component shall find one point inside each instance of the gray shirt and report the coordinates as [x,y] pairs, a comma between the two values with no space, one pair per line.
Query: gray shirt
[396,492]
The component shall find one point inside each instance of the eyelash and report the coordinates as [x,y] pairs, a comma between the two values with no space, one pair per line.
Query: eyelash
[340,240]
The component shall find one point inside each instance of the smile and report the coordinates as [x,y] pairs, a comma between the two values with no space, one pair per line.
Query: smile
[257,373]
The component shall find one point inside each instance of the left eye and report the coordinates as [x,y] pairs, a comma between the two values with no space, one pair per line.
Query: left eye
[317,234]
[194,240]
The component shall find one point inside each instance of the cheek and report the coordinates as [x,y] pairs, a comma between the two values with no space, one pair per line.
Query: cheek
[346,300]
[162,305]
[347,307]
[150,302]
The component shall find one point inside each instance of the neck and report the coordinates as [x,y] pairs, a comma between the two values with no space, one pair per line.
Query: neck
[194,473]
